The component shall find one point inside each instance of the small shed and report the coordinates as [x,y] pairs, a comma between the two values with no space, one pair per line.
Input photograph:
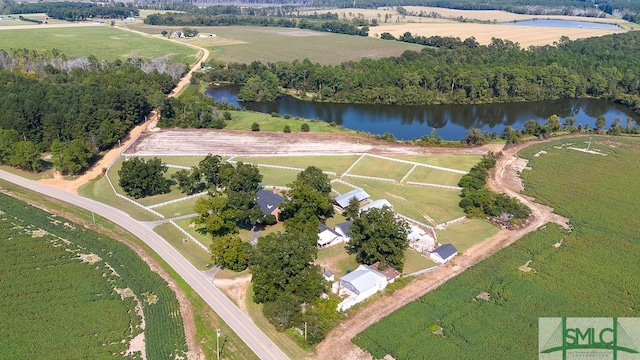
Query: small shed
[443,253]
[359,194]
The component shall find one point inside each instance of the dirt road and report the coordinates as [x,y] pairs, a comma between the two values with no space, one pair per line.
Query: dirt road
[338,345]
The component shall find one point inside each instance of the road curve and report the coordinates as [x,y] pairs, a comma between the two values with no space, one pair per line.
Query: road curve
[238,321]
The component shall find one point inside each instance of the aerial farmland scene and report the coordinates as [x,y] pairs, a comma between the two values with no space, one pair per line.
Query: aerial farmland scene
[328,179]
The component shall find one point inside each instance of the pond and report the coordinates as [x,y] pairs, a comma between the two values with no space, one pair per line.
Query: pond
[451,122]
[565,24]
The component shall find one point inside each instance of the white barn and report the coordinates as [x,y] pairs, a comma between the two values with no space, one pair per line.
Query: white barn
[343,200]
[359,285]
[443,253]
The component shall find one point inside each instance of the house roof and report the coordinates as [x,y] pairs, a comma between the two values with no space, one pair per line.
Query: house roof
[343,200]
[344,227]
[378,204]
[445,251]
[268,201]
[363,278]
[326,235]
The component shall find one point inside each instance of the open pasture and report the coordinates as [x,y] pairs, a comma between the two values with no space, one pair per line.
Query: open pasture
[433,176]
[588,272]
[524,35]
[425,204]
[462,162]
[102,41]
[336,164]
[376,167]
[245,44]
[68,292]
[466,233]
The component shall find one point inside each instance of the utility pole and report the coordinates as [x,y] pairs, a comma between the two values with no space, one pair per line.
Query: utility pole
[94,217]
[305,332]
[218,343]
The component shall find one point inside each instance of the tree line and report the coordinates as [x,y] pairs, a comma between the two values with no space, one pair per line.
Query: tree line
[466,73]
[54,104]
[71,11]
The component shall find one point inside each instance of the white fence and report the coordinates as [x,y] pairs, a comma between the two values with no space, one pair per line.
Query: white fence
[447,223]
[178,200]
[189,235]
[421,271]
[434,185]
[418,164]
[370,178]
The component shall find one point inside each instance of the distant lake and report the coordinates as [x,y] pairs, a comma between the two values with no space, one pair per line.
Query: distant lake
[451,122]
[564,24]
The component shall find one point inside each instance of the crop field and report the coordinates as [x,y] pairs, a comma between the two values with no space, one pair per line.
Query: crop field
[588,272]
[457,162]
[434,176]
[465,234]
[104,42]
[376,167]
[336,164]
[69,292]
[429,205]
[245,44]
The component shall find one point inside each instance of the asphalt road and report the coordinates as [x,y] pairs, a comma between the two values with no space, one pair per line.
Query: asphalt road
[241,324]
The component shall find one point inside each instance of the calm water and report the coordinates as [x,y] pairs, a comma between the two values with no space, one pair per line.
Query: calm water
[414,121]
[564,24]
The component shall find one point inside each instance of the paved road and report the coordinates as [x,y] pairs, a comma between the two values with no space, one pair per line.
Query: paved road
[236,319]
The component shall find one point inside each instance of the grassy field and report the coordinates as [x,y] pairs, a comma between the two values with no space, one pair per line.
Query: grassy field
[371,166]
[456,162]
[465,234]
[340,187]
[242,120]
[245,44]
[103,42]
[191,251]
[336,164]
[434,176]
[177,209]
[178,160]
[277,177]
[100,190]
[59,306]
[588,272]
[417,202]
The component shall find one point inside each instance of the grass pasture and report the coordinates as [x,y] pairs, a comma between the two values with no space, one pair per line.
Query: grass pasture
[434,176]
[277,177]
[418,202]
[465,234]
[337,164]
[104,42]
[245,44]
[588,272]
[179,208]
[376,167]
[191,251]
[59,306]
[242,120]
[100,190]
[456,162]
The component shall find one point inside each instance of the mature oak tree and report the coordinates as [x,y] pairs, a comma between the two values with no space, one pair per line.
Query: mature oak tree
[378,236]
[139,178]
[229,251]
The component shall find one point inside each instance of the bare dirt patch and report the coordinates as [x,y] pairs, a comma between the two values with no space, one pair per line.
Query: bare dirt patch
[89,258]
[236,289]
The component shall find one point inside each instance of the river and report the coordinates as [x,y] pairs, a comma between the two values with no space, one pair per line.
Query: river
[451,122]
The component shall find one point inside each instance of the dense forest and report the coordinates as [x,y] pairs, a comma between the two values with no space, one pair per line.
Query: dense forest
[71,11]
[48,99]
[466,72]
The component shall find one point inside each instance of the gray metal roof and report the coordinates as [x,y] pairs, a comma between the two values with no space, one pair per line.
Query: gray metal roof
[378,204]
[445,250]
[364,278]
[268,201]
[343,200]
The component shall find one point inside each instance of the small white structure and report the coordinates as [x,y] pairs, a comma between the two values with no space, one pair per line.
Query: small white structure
[377,204]
[327,236]
[443,253]
[343,200]
[359,285]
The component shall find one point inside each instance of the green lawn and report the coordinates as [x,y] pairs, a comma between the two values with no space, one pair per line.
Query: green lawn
[467,233]
[245,44]
[433,176]
[414,262]
[417,202]
[242,120]
[204,239]
[336,164]
[190,250]
[277,177]
[104,42]
[458,162]
[335,259]
[177,209]
[100,190]
[340,187]
[371,166]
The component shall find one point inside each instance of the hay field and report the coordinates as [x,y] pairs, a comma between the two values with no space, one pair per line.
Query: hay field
[524,35]
[245,44]
[102,41]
